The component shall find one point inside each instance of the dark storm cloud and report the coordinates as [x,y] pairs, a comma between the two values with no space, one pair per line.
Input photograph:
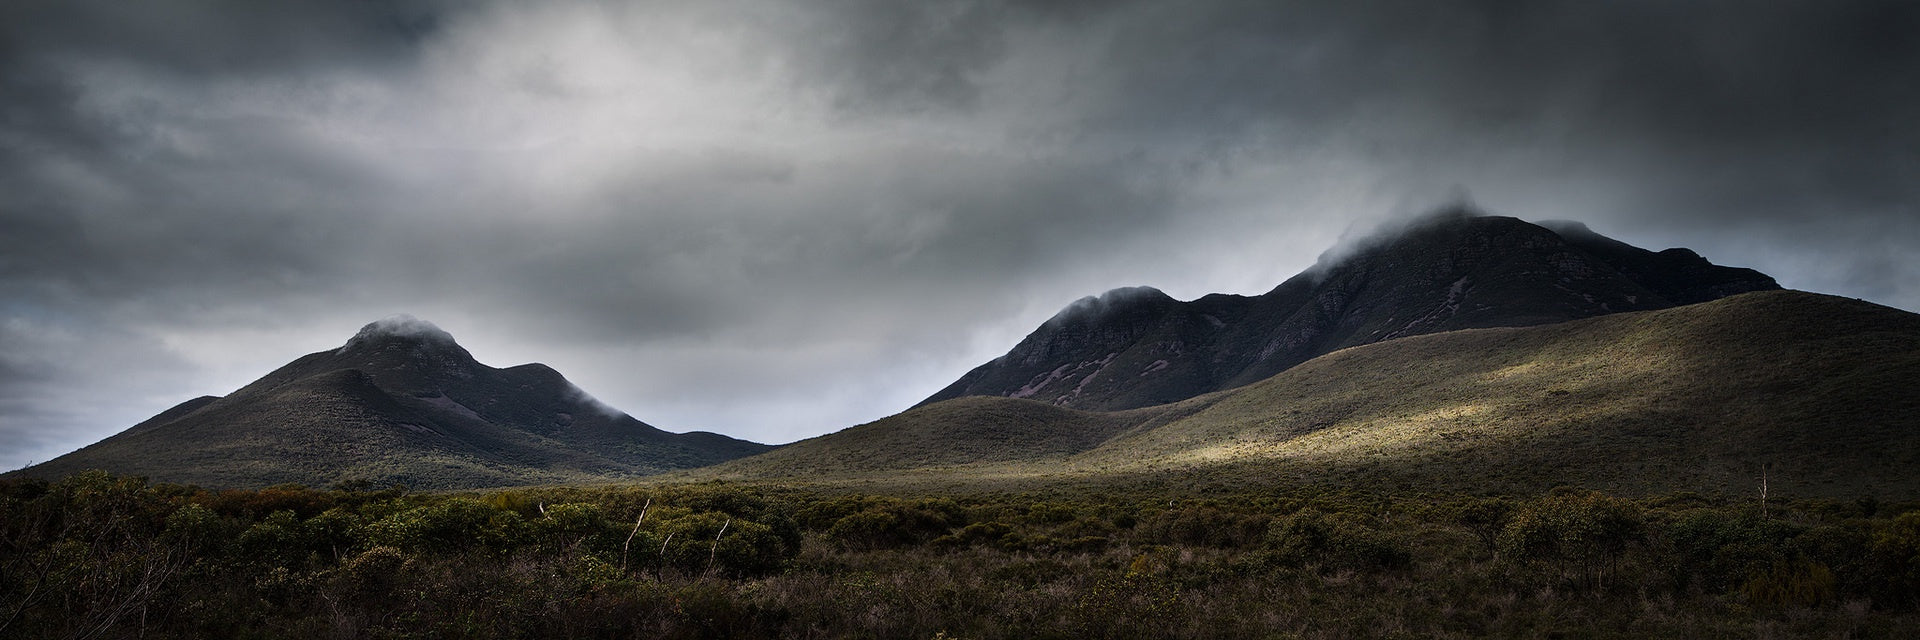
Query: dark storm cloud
[774,219]
[1703,71]
[43,41]
[905,55]
[219,36]
[1696,119]
[113,200]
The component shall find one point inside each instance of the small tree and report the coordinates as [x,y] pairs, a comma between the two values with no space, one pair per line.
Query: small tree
[1584,534]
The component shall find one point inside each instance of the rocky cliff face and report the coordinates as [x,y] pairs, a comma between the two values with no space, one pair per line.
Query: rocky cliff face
[1138,347]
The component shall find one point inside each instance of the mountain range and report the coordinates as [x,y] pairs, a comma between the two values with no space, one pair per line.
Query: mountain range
[1458,351]
[400,403]
[1137,347]
[1818,393]
[1463,352]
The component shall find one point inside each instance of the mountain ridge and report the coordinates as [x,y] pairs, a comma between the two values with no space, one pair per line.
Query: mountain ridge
[400,402]
[1456,269]
[1822,391]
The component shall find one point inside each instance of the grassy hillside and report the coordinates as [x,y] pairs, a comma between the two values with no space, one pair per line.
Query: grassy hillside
[1820,394]
[325,429]
[960,433]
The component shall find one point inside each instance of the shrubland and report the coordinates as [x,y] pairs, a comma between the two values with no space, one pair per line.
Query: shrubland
[96,555]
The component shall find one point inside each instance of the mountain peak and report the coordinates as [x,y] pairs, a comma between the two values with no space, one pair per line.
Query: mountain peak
[400,328]
[1567,228]
[401,402]
[1105,304]
[1455,268]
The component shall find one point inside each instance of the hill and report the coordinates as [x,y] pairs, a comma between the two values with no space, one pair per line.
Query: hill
[959,433]
[1138,347]
[401,402]
[1820,394]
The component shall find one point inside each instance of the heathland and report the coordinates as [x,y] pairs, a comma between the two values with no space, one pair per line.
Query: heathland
[95,555]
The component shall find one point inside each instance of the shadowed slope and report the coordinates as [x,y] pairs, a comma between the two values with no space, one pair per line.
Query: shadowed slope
[1822,391]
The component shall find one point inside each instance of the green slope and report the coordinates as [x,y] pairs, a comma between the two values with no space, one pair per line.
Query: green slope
[1820,393]
[960,433]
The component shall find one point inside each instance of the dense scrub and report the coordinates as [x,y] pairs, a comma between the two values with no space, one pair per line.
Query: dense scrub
[103,556]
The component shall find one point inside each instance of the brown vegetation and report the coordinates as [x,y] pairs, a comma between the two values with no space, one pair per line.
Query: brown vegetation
[95,555]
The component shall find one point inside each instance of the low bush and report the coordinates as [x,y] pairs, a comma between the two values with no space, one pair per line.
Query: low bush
[1310,537]
[1205,525]
[1582,535]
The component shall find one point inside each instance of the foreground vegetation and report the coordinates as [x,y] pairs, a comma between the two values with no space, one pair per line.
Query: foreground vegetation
[96,555]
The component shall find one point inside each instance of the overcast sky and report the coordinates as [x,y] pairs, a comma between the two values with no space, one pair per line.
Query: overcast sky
[776,219]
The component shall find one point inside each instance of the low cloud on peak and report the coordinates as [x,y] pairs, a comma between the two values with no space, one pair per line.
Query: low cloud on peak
[400,326]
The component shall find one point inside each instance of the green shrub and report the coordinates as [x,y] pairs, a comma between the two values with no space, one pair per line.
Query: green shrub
[870,529]
[196,529]
[335,533]
[1204,525]
[1333,542]
[373,575]
[888,527]
[1050,513]
[279,540]
[1580,533]
[820,515]
[1896,560]
[1485,518]
[449,525]
[575,526]
[514,501]
[705,542]
[1802,583]
[255,504]
[991,534]
[1718,550]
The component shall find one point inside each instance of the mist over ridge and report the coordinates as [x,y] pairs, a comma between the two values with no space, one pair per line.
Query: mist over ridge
[1449,270]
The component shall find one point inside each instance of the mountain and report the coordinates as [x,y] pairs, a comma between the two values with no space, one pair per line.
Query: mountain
[1820,394]
[401,402]
[1137,347]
